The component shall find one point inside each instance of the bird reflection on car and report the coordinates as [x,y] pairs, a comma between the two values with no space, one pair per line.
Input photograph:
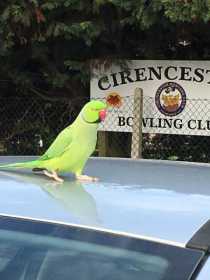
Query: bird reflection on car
[71,195]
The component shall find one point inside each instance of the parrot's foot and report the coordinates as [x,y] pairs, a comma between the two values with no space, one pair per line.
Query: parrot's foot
[54,176]
[85,178]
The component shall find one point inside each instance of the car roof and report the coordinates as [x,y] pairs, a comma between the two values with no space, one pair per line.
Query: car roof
[161,200]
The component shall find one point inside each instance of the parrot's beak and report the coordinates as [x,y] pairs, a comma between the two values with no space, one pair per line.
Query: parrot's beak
[102,115]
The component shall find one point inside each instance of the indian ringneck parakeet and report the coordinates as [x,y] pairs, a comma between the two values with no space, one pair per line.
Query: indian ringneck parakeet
[72,147]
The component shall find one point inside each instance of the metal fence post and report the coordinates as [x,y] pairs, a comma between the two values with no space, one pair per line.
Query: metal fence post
[136,146]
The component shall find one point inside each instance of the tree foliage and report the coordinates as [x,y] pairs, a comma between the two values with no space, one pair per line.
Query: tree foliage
[46,46]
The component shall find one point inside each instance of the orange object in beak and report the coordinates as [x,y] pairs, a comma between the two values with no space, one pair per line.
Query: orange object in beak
[102,115]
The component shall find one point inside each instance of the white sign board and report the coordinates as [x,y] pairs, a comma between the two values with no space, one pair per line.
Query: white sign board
[176,96]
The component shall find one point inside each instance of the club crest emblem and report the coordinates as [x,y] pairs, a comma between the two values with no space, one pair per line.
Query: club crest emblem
[170,99]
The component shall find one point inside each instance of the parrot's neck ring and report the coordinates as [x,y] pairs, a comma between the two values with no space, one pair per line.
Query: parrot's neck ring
[95,122]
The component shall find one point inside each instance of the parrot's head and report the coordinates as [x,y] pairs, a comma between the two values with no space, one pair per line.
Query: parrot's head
[94,111]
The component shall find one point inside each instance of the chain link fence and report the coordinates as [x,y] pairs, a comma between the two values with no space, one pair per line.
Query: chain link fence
[29,125]
[192,127]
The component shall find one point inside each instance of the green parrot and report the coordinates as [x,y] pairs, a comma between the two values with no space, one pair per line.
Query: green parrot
[72,147]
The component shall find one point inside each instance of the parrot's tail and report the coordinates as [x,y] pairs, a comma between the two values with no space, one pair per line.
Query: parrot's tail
[28,164]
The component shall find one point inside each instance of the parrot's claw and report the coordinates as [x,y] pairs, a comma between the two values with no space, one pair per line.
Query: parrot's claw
[58,179]
[85,178]
[54,176]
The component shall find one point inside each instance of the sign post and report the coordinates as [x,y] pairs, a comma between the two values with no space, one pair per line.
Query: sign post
[102,143]
[136,146]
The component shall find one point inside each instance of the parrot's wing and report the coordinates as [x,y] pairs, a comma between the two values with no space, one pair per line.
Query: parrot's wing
[60,144]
